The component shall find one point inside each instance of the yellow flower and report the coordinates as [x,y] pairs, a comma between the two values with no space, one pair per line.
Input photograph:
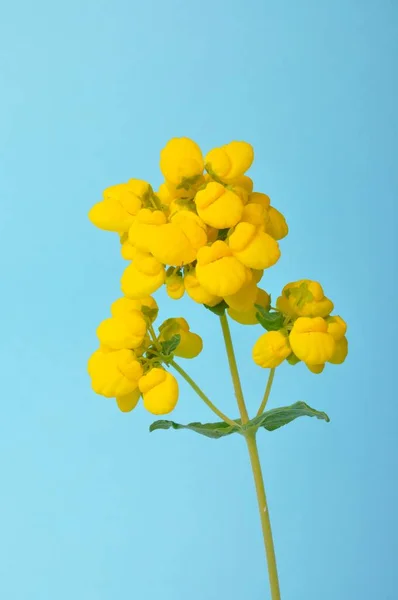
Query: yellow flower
[190,344]
[121,203]
[144,227]
[114,374]
[253,247]
[230,161]
[249,317]
[123,306]
[218,207]
[337,327]
[181,159]
[129,401]
[175,286]
[340,352]
[218,271]
[310,340]
[159,390]
[178,242]
[124,331]
[197,292]
[142,277]
[304,298]
[271,349]
[276,224]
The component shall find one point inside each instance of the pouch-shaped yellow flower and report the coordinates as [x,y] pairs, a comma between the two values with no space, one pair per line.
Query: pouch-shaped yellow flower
[218,271]
[218,206]
[310,340]
[253,247]
[197,292]
[177,242]
[124,331]
[144,227]
[271,349]
[142,277]
[249,317]
[230,161]
[128,402]
[124,305]
[304,298]
[114,374]
[181,159]
[159,390]
[121,203]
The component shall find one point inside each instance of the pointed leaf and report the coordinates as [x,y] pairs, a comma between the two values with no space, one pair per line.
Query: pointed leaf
[278,417]
[170,345]
[211,430]
[271,321]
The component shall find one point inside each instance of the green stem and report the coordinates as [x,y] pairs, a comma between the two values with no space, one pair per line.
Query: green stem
[264,516]
[234,368]
[202,395]
[267,392]
[254,459]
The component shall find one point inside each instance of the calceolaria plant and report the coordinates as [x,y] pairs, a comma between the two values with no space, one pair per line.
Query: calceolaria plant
[207,234]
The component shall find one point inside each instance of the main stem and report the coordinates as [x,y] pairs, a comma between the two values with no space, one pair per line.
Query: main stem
[255,461]
[264,516]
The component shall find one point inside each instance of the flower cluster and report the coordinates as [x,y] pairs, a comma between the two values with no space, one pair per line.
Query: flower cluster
[204,232]
[129,361]
[301,328]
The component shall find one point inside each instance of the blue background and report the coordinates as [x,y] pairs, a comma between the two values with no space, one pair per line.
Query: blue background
[93,507]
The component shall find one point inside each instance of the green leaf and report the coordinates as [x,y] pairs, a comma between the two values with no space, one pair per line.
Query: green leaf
[211,430]
[170,345]
[219,309]
[270,420]
[278,417]
[271,321]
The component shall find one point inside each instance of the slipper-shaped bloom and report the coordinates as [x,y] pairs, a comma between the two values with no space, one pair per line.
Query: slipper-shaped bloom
[219,207]
[271,349]
[230,161]
[143,276]
[127,330]
[120,205]
[114,374]
[159,390]
[218,271]
[310,340]
[181,161]
[253,247]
